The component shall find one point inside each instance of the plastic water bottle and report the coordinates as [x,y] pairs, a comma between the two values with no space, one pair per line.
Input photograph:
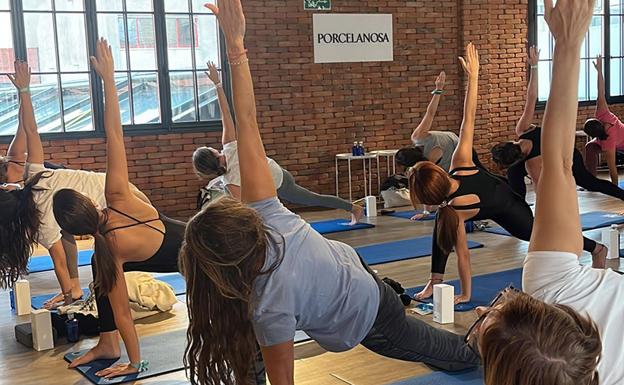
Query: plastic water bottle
[469,226]
[355,151]
[362,151]
[73,332]
[12,299]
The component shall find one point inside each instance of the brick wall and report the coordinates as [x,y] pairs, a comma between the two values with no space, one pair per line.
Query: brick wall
[309,112]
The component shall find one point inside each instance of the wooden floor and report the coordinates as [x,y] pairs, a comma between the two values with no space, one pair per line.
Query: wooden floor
[20,365]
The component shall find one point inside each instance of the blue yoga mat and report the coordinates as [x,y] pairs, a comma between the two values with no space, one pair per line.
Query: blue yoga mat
[410,213]
[589,221]
[176,281]
[400,250]
[484,288]
[164,352]
[337,226]
[44,263]
[472,377]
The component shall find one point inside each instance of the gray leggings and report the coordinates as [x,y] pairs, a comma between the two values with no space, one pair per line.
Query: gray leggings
[71,253]
[291,192]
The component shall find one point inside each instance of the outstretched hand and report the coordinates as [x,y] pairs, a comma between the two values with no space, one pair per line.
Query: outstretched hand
[440,81]
[470,62]
[598,63]
[231,19]
[569,20]
[103,62]
[21,78]
[534,54]
[213,73]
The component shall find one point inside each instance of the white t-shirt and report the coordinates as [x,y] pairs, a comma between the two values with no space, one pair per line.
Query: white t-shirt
[90,184]
[557,278]
[232,175]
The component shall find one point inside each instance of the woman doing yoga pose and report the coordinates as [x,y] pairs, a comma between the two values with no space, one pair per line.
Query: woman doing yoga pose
[552,334]
[470,193]
[258,273]
[207,161]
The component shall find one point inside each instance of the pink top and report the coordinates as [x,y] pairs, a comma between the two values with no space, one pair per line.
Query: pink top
[615,132]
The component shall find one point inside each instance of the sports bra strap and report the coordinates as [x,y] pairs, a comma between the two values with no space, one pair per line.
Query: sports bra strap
[470,168]
[138,222]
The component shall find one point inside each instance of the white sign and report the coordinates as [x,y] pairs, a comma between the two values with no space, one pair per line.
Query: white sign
[344,38]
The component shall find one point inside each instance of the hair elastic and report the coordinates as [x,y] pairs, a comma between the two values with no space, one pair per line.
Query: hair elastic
[443,204]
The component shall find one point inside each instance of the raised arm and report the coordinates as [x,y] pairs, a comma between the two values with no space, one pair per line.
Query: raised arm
[532,92]
[28,124]
[463,153]
[601,103]
[229,129]
[18,147]
[425,125]
[557,226]
[256,181]
[117,186]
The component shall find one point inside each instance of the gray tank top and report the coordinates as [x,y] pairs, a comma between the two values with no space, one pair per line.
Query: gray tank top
[447,141]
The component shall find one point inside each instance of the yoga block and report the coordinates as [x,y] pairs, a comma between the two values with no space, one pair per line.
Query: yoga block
[443,304]
[611,238]
[42,335]
[21,291]
[23,334]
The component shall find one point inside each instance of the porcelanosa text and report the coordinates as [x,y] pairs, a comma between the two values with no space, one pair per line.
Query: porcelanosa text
[344,38]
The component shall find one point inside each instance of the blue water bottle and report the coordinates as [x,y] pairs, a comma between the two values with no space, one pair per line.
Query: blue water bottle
[12,298]
[469,226]
[355,151]
[361,150]
[73,333]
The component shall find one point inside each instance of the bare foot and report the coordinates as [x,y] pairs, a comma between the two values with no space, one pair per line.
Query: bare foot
[54,300]
[462,299]
[427,292]
[357,213]
[105,349]
[599,256]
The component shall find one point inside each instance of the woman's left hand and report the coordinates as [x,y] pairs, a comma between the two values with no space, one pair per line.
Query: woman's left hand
[471,61]
[117,370]
[231,19]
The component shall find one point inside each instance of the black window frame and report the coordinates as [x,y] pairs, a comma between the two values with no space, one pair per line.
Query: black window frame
[532,39]
[166,126]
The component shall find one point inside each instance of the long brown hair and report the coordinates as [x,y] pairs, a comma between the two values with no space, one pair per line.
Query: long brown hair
[20,220]
[223,253]
[531,342]
[76,214]
[4,169]
[429,184]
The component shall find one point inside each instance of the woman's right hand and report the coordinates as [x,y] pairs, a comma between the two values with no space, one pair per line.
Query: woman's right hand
[470,62]
[103,62]
[213,73]
[440,81]
[534,54]
[231,19]
[569,20]
[21,78]
[598,63]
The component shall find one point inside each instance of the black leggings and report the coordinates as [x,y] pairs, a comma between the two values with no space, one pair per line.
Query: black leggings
[516,218]
[582,176]
[105,311]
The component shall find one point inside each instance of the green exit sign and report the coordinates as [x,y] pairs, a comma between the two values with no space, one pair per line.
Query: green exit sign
[316,5]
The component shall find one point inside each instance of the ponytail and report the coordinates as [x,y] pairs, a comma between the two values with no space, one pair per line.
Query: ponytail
[206,163]
[105,265]
[447,222]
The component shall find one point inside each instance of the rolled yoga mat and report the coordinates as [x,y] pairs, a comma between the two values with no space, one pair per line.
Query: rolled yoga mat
[338,226]
[410,213]
[44,263]
[472,377]
[176,280]
[164,352]
[400,250]
[484,288]
[589,221]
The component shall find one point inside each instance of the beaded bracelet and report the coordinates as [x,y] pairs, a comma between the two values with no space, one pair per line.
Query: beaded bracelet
[25,90]
[237,63]
[534,67]
[142,366]
[219,85]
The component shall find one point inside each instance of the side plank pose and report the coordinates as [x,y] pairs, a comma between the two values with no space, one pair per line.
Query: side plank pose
[469,192]
[27,211]
[207,162]
[606,129]
[552,334]
[524,156]
[130,235]
[257,273]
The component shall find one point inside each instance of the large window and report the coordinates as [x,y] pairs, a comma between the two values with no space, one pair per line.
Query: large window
[160,49]
[604,37]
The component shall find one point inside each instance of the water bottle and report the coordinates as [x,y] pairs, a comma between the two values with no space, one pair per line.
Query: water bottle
[73,333]
[12,298]
[469,226]
[362,150]
[355,151]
